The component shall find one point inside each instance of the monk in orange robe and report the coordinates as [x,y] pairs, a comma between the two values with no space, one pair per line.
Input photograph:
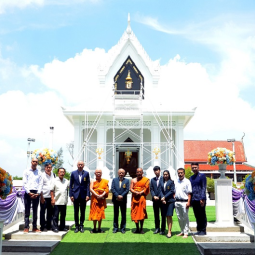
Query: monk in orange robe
[140,188]
[100,190]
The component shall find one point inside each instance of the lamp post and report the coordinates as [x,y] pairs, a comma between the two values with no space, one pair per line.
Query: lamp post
[234,164]
[28,149]
[51,137]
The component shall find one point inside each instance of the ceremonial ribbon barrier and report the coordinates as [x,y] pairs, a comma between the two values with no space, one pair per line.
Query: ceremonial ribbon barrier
[12,206]
[243,208]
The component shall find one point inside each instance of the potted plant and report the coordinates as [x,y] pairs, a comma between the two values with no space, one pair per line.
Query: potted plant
[210,188]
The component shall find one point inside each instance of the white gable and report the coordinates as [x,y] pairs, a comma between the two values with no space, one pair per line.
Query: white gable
[129,46]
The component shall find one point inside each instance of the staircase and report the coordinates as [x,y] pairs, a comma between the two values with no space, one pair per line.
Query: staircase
[224,240]
[18,243]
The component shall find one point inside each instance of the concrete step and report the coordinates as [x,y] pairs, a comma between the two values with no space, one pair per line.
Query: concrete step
[24,253]
[49,235]
[29,246]
[22,226]
[224,237]
[213,227]
[227,248]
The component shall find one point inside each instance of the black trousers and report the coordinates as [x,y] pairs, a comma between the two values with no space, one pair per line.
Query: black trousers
[35,203]
[200,215]
[46,206]
[156,209]
[59,209]
[123,210]
[79,204]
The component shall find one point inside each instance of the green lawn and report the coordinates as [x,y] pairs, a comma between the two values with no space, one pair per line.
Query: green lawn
[129,243]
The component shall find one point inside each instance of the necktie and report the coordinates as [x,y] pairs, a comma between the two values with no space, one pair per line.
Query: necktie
[120,182]
[157,182]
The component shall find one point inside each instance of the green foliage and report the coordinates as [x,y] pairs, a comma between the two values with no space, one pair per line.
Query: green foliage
[17,178]
[245,177]
[60,159]
[188,172]
[210,184]
[60,163]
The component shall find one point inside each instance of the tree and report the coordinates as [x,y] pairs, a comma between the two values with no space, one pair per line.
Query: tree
[188,172]
[60,164]
[17,178]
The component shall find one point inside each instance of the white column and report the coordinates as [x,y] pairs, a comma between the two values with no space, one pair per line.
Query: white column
[179,145]
[223,203]
[101,144]
[77,142]
[155,142]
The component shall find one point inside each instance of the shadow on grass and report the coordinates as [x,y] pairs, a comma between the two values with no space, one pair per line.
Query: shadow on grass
[109,248]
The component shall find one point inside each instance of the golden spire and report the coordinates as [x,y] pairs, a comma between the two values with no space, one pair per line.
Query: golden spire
[129,81]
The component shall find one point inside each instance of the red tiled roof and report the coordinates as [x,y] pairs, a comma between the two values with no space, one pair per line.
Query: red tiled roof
[197,150]
[204,167]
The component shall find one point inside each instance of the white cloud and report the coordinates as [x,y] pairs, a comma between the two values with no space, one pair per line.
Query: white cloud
[21,4]
[30,116]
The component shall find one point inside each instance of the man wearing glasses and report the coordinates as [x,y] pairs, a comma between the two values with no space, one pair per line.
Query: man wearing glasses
[32,183]
[198,201]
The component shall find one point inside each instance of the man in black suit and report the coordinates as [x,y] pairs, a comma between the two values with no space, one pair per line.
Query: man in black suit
[79,194]
[155,194]
[120,189]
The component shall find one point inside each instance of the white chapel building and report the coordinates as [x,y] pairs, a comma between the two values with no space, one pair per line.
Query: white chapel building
[131,128]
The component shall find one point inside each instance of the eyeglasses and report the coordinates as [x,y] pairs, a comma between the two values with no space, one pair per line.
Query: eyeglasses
[35,161]
[194,167]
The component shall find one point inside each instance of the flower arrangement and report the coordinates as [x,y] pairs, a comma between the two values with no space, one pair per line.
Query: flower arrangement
[221,156]
[249,186]
[5,184]
[45,156]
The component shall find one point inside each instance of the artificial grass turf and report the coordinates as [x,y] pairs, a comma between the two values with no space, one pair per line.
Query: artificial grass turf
[129,243]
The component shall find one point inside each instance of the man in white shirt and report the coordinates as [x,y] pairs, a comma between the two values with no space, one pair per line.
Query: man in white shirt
[32,183]
[183,192]
[59,199]
[45,200]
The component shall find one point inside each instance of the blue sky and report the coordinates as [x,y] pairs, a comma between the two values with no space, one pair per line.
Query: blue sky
[218,37]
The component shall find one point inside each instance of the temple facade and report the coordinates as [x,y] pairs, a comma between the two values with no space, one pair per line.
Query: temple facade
[129,129]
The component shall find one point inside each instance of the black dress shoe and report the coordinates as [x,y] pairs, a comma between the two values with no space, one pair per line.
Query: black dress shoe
[156,231]
[115,231]
[81,229]
[63,229]
[76,230]
[201,233]
[123,231]
[197,233]
[55,230]
[162,233]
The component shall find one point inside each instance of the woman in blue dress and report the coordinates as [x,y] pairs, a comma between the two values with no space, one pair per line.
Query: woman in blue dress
[167,198]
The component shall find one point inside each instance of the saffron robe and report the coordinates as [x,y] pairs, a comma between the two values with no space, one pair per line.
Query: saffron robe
[138,202]
[97,206]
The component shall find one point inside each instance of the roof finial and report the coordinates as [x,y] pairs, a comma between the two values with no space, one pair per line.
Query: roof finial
[129,28]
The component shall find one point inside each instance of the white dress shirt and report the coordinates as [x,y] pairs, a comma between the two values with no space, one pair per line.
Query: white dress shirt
[182,189]
[32,180]
[60,189]
[47,184]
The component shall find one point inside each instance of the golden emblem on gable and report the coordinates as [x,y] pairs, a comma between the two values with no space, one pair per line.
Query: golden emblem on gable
[129,81]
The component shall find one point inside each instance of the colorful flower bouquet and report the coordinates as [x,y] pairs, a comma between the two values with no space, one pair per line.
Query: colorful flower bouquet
[45,156]
[5,184]
[249,186]
[221,156]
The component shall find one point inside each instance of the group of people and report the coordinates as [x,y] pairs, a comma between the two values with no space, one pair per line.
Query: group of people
[167,195]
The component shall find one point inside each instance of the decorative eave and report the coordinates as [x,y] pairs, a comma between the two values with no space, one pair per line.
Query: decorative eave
[129,37]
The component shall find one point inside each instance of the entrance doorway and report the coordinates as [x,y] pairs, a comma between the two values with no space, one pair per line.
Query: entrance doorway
[131,166]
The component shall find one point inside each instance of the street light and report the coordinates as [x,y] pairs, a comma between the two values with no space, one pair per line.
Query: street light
[51,137]
[28,149]
[234,164]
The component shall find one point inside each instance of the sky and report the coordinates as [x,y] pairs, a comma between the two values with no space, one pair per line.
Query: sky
[206,50]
